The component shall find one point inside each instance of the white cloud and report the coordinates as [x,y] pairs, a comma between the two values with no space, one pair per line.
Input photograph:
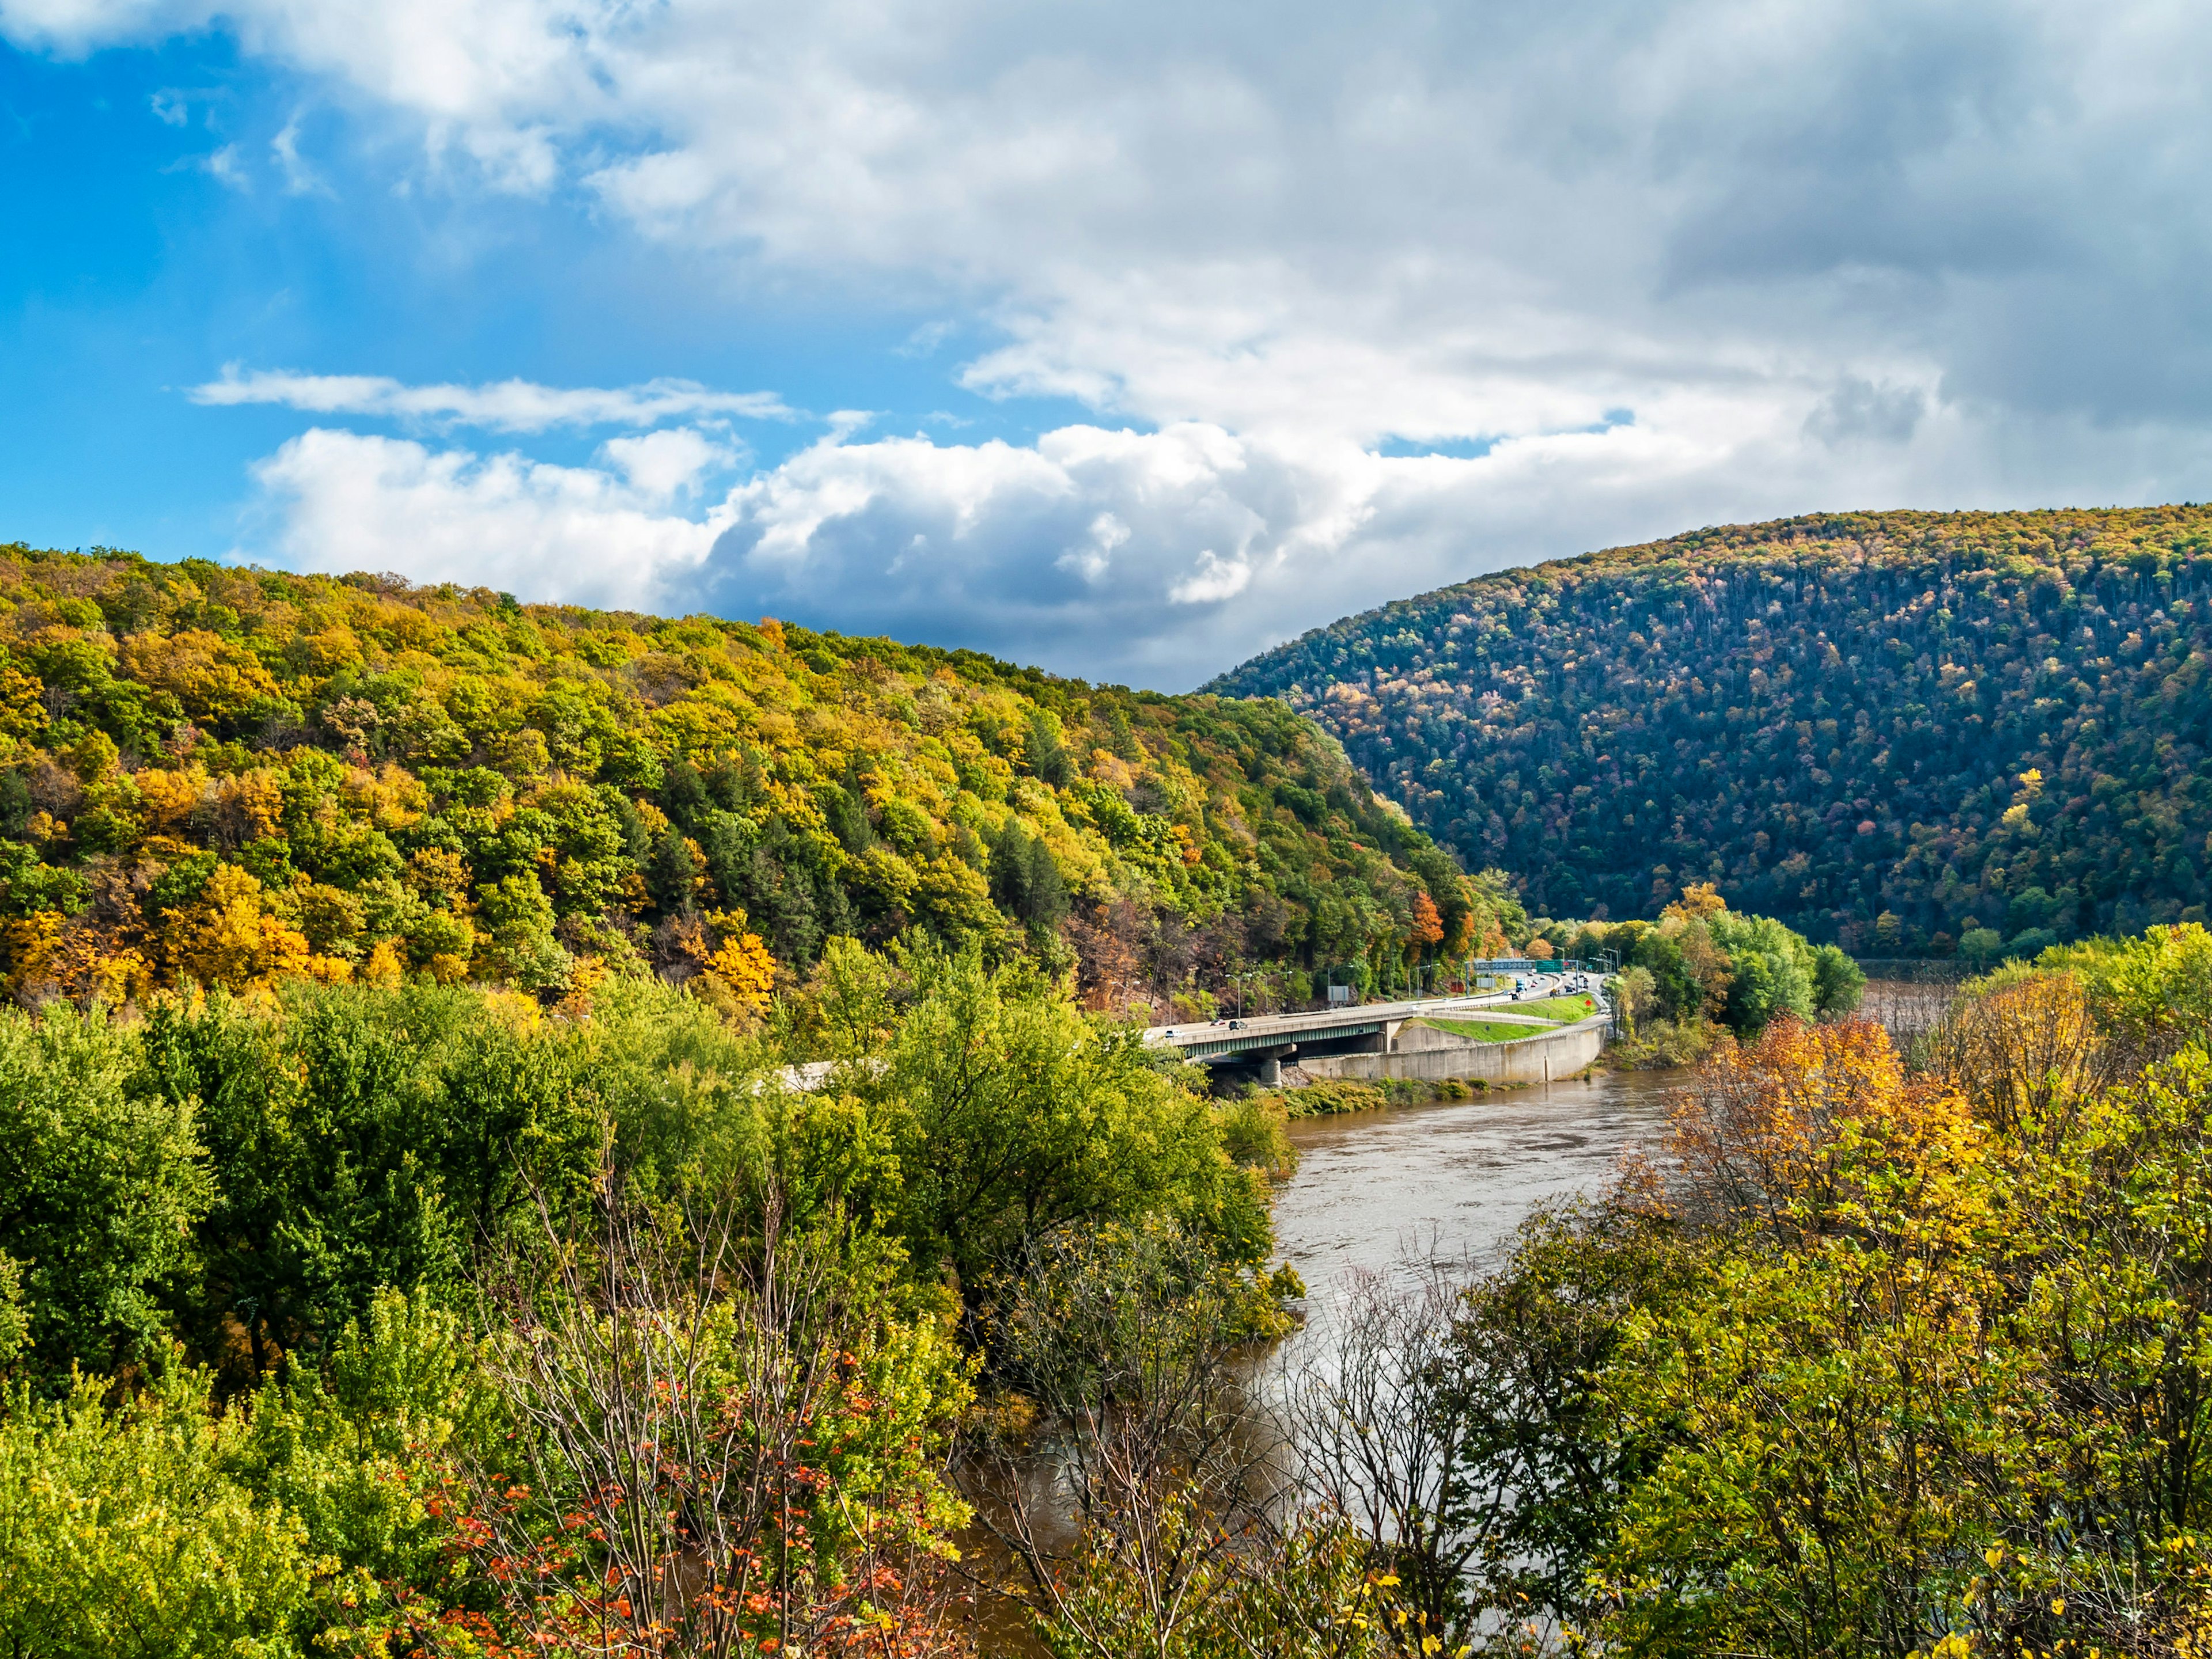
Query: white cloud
[668,464]
[498,71]
[1215,579]
[1093,556]
[503,406]
[343,501]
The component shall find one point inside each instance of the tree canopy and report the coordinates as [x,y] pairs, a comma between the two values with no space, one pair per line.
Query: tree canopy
[234,777]
[1899,731]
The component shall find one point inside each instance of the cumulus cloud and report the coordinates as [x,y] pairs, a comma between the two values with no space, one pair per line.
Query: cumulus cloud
[1827,255]
[1482,215]
[601,536]
[671,464]
[503,406]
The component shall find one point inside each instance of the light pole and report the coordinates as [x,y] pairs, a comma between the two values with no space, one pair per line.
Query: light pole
[1237,980]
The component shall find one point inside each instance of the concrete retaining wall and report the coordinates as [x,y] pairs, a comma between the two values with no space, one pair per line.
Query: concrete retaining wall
[1414,1036]
[1539,1059]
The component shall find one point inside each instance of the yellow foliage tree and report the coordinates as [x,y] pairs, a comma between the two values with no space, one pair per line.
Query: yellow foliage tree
[386,966]
[745,969]
[228,937]
[256,798]
[1699,899]
[170,796]
[203,671]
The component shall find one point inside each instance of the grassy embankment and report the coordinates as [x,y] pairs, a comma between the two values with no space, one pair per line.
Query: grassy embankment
[1340,1095]
[1337,1095]
[1556,1011]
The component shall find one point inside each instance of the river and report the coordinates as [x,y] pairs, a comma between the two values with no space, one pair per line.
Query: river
[1454,1178]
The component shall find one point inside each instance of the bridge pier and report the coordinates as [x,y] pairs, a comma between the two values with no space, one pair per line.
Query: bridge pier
[1264,1066]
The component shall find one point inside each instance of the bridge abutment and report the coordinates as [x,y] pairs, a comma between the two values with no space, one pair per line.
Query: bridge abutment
[1538,1058]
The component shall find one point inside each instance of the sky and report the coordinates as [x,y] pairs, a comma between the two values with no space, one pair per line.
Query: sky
[1127,340]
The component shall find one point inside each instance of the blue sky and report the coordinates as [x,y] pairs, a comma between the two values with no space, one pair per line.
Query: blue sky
[1125,339]
[139,264]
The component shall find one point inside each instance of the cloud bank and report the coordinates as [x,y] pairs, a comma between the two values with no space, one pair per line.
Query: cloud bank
[1143,557]
[595,535]
[1622,268]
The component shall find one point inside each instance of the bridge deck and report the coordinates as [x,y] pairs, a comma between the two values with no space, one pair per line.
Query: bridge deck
[1214,1040]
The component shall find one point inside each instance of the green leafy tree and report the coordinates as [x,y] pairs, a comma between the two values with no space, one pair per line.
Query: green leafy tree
[369,1139]
[517,917]
[1772,970]
[1837,981]
[360,1452]
[1009,1114]
[102,1181]
[126,1535]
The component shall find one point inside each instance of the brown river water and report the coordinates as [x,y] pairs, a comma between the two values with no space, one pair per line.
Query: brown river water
[1454,1178]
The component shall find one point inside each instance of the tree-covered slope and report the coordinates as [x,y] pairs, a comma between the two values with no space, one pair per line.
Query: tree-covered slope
[231,776]
[1888,729]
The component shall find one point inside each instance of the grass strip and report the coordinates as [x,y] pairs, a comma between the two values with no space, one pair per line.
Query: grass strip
[1488,1030]
[1565,1009]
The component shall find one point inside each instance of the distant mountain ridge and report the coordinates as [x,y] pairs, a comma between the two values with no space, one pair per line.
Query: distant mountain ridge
[1888,729]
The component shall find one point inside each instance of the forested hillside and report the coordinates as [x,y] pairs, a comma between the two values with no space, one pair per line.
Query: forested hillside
[232,777]
[1896,730]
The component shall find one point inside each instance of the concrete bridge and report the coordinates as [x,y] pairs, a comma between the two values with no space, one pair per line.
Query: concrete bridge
[1264,1042]
[1369,1043]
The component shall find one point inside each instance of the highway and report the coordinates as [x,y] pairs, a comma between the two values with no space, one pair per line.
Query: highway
[1229,1036]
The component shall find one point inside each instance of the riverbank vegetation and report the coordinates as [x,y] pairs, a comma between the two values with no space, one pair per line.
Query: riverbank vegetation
[426,1321]
[1332,1095]
[1702,970]
[1888,1354]
[420,1318]
[231,778]
[1884,1354]
[1974,733]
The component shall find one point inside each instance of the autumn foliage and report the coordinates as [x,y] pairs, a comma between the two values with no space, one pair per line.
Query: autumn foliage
[235,778]
[1889,1353]
[410,1319]
[1906,732]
